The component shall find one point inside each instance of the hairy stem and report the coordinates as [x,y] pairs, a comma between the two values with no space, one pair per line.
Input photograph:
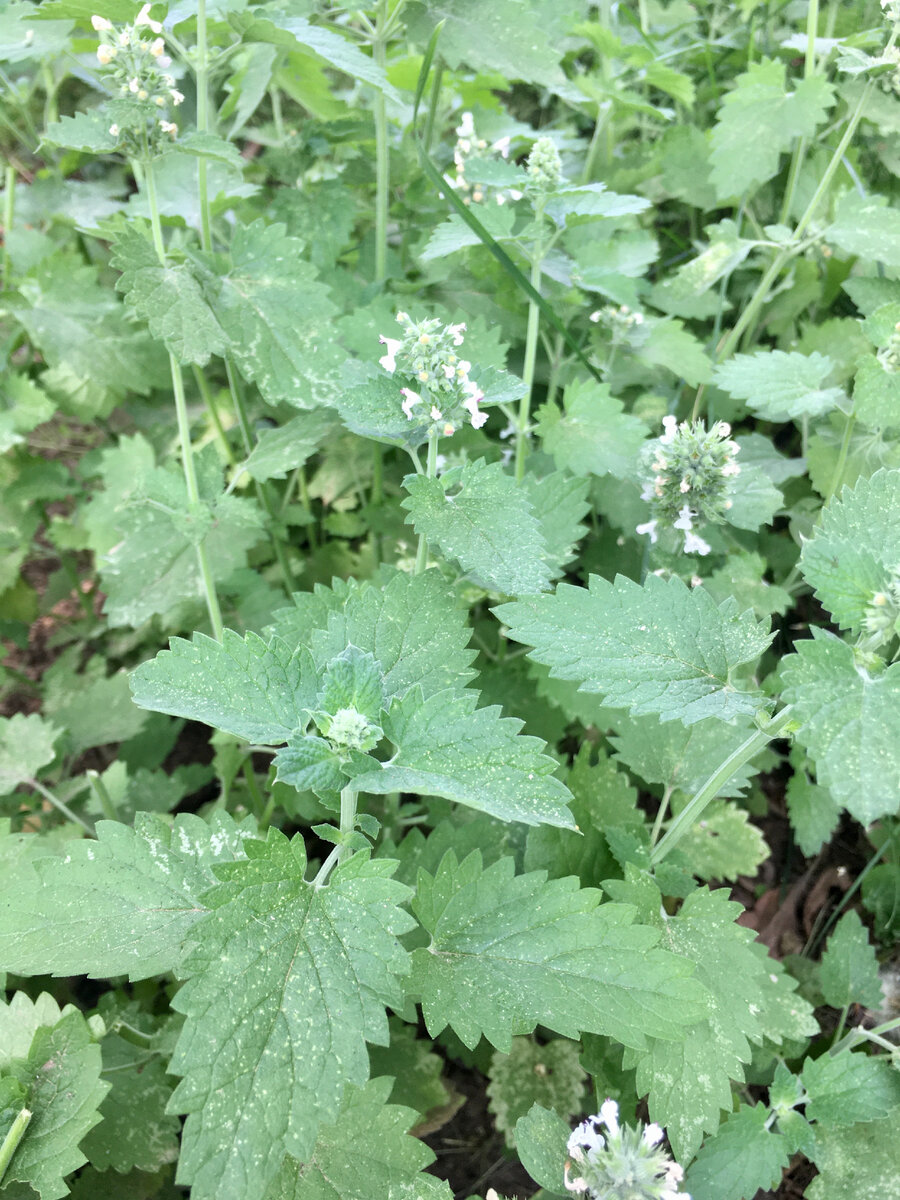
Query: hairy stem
[13,1138]
[430,472]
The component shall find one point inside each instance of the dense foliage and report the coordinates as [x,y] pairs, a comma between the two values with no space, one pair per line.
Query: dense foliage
[450,595]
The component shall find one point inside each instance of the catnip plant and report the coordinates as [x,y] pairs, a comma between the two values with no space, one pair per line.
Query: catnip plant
[450,598]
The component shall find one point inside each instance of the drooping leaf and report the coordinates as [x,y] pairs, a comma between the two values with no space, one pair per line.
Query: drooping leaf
[510,952]
[26,745]
[541,1138]
[850,723]
[867,226]
[812,812]
[845,1088]
[854,553]
[478,515]
[779,386]
[279,451]
[264,1064]
[744,1156]
[121,905]
[662,648]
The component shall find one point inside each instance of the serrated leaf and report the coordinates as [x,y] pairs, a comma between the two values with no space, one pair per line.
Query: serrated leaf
[61,1074]
[759,120]
[662,648]
[548,1074]
[866,226]
[86,131]
[370,404]
[279,451]
[673,347]
[278,317]
[385,1160]
[780,386]
[592,435]
[812,812]
[845,1088]
[168,298]
[26,745]
[744,577]
[876,394]
[121,905]
[858,1160]
[454,234]
[478,515]
[541,1138]
[744,1156]
[245,686]
[855,552]
[560,502]
[723,844]
[416,1071]
[447,747]
[850,723]
[265,1062]
[591,200]
[849,970]
[510,952]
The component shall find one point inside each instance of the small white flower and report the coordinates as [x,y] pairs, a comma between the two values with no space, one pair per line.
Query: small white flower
[463,367]
[142,95]
[684,518]
[100,23]
[685,485]
[695,545]
[124,38]
[648,527]
[164,62]
[143,18]
[466,126]
[134,86]
[105,55]
[647,491]
[652,1134]
[435,413]
[501,146]
[456,332]
[158,48]
[159,101]
[388,360]
[609,1115]
[169,127]
[177,97]
[731,468]
[114,131]
[670,424]
[410,399]
[470,404]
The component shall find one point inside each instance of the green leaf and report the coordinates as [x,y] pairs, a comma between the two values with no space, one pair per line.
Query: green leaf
[366,1152]
[850,723]
[415,1070]
[744,1156]
[812,812]
[511,952]
[590,200]
[60,1071]
[279,318]
[446,747]
[876,394]
[478,515]
[370,405]
[779,386]
[867,226]
[723,844]
[26,745]
[759,121]
[662,648]
[858,1160]
[560,502]
[265,1062]
[121,905]
[845,1088]
[592,435]
[549,1075]
[168,298]
[849,971]
[279,451]
[254,689]
[541,1138]
[671,346]
[855,551]
[86,131]
[744,577]
[454,234]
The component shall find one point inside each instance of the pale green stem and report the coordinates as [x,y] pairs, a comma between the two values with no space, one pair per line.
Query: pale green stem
[277,117]
[184,429]
[857,1034]
[430,472]
[840,466]
[433,103]
[531,342]
[661,815]
[686,819]
[9,208]
[201,72]
[210,404]
[809,69]
[98,787]
[348,811]
[12,1139]
[59,805]
[382,160]
[842,1021]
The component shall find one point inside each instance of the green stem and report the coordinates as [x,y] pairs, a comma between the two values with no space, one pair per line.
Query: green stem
[531,341]
[136,1037]
[259,803]
[201,73]
[837,477]
[303,488]
[12,1139]
[842,1021]
[9,208]
[98,787]
[382,161]
[59,806]
[184,429]
[277,117]
[434,99]
[210,405]
[708,792]
[348,812]
[430,472]
[661,815]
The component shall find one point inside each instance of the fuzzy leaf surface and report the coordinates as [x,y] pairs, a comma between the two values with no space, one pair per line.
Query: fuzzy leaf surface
[743,1157]
[780,386]
[288,982]
[855,552]
[849,971]
[846,1088]
[858,1160]
[448,747]
[121,905]
[662,648]
[592,434]
[478,515]
[254,689]
[26,745]
[510,952]
[560,503]
[850,723]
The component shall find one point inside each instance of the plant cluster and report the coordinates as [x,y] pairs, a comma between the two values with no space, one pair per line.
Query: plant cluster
[449,600]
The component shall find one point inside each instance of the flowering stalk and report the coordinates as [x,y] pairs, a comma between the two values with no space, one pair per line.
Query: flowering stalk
[609,1161]
[430,472]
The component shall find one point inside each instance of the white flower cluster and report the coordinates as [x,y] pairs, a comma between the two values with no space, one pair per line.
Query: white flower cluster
[619,319]
[621,1163]
[467,145]
[690,469]
[135,58]
[891,9]
[427,354]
